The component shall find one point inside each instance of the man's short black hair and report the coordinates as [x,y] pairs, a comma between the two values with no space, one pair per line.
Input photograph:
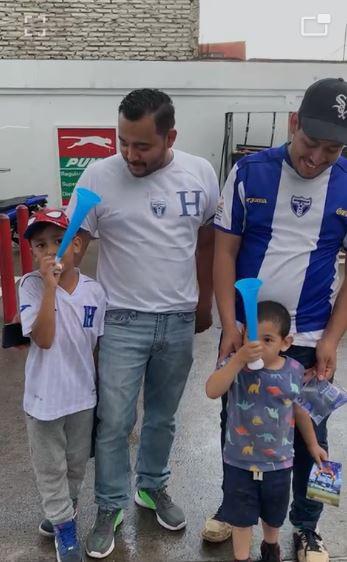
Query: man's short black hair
[276,313]
[148,101]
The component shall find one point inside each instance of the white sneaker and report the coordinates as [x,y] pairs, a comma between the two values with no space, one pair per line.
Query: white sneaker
[309,546]
[216,531]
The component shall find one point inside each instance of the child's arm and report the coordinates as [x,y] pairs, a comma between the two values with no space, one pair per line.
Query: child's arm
[221,379]
[305,426]
[43,329]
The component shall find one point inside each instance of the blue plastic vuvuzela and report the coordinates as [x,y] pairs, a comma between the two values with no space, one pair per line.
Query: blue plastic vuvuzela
[249,289]
[86,200]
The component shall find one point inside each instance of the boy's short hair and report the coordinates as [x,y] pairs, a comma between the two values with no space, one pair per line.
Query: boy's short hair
[44,217]
[276,313]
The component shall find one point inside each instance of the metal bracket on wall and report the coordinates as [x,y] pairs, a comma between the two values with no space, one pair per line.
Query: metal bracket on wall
[232,152]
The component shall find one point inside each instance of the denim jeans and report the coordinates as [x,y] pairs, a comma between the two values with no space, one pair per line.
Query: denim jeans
[139,347]
[304,513]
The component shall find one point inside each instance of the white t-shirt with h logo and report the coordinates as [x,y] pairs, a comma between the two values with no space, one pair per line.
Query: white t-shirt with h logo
[148,230]
[61,380]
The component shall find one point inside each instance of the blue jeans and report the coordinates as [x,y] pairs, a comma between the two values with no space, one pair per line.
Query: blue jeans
[137,347]
[304,513]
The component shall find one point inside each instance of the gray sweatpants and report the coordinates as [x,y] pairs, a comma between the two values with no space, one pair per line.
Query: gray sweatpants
[60,450]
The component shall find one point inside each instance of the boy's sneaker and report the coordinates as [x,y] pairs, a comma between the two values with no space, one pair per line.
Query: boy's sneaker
[100,540]
[46,528]
[67,546]
[309,546]
[216,530]
[168,514]
[270,552]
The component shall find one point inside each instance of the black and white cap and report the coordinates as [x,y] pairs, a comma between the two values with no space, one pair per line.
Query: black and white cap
[323,110]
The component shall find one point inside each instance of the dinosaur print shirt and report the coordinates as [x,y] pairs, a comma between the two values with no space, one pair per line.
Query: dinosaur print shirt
[260,426]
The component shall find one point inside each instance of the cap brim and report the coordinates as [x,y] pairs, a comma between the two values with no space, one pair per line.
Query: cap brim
[31,228]
[324,131]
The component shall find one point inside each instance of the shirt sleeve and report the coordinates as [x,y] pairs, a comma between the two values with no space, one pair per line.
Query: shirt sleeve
[30,297]
[90,223]
[213,193]
[230,214]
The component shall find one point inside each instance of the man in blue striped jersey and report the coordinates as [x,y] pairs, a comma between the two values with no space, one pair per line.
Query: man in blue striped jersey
[282,217]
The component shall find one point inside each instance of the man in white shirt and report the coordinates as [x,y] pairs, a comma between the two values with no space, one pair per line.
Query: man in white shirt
[155,265]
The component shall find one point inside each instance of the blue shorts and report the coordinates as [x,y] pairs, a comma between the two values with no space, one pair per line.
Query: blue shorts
[246,499]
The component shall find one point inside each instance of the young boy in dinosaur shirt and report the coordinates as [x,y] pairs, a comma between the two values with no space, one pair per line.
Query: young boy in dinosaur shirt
[258,451]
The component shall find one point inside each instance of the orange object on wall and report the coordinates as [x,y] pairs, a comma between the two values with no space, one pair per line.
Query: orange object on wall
[235,50]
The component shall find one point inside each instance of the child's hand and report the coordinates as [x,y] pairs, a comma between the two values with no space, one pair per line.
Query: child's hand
[250,351]
[318,453]
[50,271]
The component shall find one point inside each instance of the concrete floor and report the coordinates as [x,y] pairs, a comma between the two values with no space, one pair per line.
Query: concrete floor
[195,483]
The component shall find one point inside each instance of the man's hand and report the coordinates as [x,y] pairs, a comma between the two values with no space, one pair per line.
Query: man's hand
[203,319]
[251,351]
[50,271]
[318,453]
[325,358]
[231,342]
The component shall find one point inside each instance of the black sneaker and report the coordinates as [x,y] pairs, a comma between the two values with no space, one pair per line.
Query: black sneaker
[270,552]
[46,527]
[100,540]
[169,515]
[309,546]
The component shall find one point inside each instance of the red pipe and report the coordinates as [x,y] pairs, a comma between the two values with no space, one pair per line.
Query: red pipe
[6,270]
[22,212]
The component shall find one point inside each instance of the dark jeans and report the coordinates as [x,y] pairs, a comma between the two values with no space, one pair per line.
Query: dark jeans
[303,513]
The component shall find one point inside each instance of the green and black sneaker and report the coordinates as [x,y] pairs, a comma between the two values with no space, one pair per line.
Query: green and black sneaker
[100,540]
[168,514]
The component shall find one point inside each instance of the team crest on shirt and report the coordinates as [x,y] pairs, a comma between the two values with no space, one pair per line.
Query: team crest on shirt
[158,207]
[300,205]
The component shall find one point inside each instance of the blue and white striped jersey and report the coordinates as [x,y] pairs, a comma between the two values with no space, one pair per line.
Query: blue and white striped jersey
[292,230]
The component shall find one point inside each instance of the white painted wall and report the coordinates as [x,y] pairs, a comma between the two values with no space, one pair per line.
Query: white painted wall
[41,95]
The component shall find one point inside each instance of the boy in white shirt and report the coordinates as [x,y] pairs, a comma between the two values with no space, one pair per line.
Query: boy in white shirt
[63,312]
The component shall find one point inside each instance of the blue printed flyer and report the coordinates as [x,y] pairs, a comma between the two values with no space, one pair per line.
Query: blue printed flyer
[321,398]
[324,483]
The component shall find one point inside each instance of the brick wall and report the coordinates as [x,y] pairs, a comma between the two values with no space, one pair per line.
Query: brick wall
[99,29]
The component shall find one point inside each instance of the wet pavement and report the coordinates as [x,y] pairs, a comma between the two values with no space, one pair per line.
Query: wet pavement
[195,482]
